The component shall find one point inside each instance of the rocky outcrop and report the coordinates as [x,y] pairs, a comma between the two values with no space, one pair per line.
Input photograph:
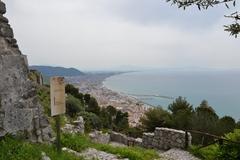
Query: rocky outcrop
[76,127]
[100,137]
[20,111]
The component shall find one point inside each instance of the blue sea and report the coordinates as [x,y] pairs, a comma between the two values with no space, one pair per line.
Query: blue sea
[220,88]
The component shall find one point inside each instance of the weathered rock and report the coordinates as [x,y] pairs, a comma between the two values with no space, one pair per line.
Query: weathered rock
[45,157]
[79,124]
[2,8]
[177,154]
[20,110]
[99,137]
[91,153]
[118,137]
[76,127]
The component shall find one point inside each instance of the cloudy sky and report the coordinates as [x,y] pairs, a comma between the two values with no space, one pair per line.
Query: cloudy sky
[109,34]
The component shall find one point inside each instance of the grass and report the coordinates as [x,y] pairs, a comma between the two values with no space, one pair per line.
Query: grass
[80,142]
[207,153]
[15,149]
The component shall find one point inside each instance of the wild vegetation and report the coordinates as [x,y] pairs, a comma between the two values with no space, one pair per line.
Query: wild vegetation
[180,115]
[81,142]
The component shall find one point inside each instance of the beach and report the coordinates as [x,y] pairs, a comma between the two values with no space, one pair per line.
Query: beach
[93,84]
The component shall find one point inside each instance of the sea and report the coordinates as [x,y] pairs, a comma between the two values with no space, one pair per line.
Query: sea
[221,88]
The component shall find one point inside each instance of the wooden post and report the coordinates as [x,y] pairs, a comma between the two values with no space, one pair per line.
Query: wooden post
[58,105]
[186,140]
[58,130]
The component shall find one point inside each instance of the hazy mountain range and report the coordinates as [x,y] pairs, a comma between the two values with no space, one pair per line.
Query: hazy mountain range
[50,71]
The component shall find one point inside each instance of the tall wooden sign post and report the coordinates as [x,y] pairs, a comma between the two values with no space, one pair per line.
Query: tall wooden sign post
[58,104]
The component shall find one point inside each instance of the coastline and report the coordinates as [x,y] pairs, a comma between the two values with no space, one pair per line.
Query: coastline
[94,84]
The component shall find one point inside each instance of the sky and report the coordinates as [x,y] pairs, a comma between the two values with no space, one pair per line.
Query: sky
[122,34]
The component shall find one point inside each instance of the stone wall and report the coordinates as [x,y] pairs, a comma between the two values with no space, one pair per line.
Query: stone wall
[162,138]
[123,139]
[165,138]
[20,110]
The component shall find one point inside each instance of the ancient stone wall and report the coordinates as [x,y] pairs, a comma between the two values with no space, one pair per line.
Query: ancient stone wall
[20,111]
[165,138]
[162,138]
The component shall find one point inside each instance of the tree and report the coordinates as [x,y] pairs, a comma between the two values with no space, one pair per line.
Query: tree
[225,125]
[205,120]
[182,113]
[121,121]
[70,89]
[180,104]
[106,118]
[93,106]
[238,125]
[156,117]
[233,28]
[111,110]
[86,98]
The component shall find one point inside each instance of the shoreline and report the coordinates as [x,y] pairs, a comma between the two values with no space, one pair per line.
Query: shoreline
[94,84]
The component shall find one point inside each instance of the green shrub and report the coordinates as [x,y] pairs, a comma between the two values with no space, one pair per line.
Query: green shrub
[15,149]
[92,121]
[230,151]
[73,106]
[226,151]
[43,93]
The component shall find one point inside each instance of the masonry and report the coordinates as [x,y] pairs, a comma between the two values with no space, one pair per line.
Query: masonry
[165,138]
[20,111]
[162,139]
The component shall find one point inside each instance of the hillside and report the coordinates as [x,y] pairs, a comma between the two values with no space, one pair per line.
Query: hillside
[50,71]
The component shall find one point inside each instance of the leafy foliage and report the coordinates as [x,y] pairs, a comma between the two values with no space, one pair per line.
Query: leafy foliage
[73,106]
[225,125]
[92,106]
[92,121]
[43,93]
[16,149]
[233,28]
[156,117]
[182,113]
[228,150]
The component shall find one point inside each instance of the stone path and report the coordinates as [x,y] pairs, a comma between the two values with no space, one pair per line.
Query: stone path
[91,153]
[177,154]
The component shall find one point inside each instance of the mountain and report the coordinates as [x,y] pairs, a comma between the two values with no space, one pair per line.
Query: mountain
[50,71]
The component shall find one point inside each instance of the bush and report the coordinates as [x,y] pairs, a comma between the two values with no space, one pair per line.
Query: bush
[226,151]
[92,121]
[16,149]
[230,151]
[73,106]
[43,93]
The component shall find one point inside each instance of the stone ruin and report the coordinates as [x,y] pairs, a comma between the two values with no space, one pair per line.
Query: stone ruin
[165,138]
[20,111]
[76,127]
[162,139]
